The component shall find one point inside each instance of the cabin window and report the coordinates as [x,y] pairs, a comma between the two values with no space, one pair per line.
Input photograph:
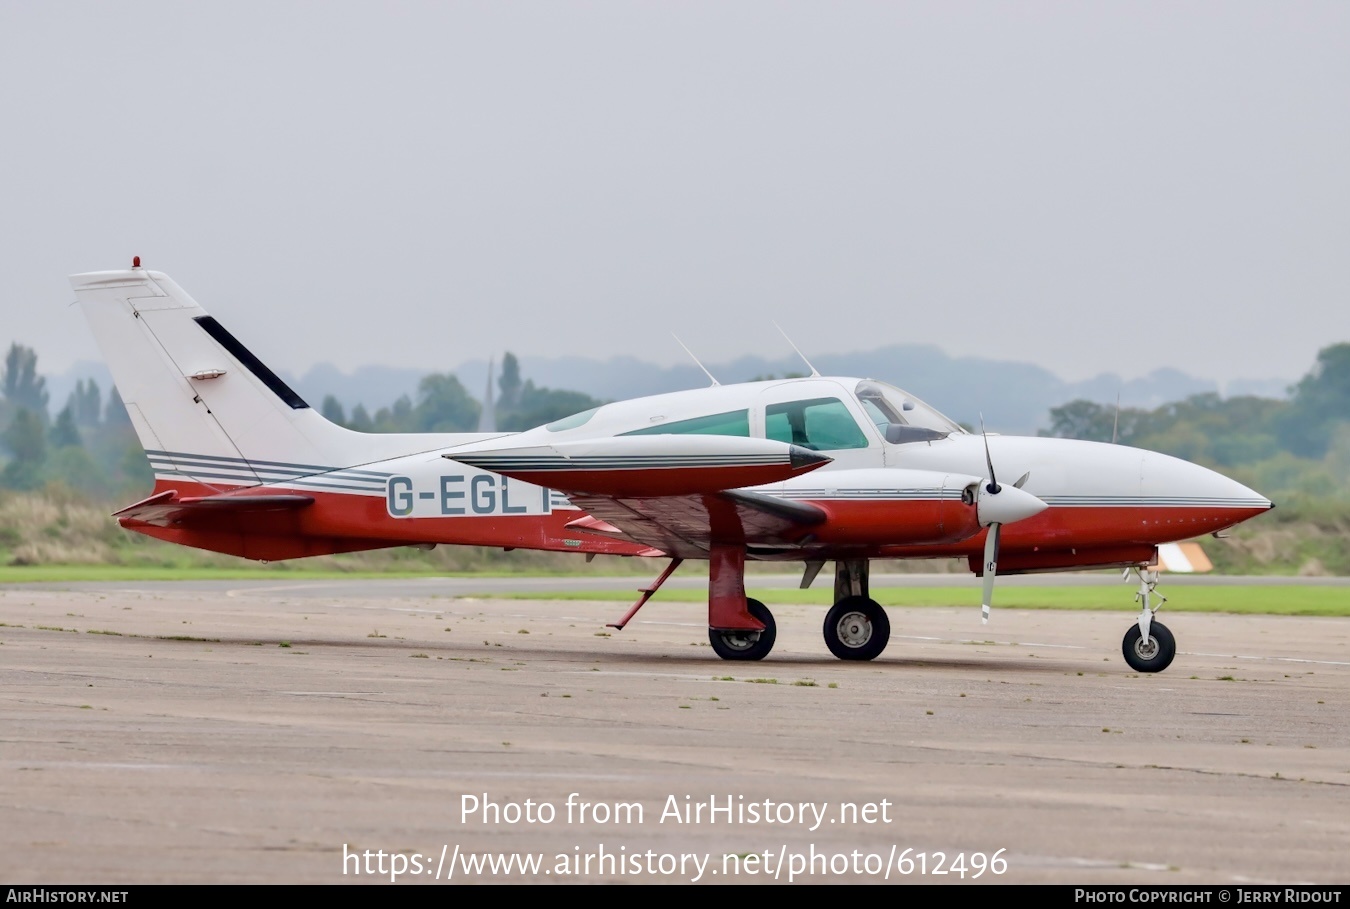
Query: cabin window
[821,424]
[734,423]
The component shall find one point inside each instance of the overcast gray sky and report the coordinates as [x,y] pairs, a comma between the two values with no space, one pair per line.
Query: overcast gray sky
[1093,187]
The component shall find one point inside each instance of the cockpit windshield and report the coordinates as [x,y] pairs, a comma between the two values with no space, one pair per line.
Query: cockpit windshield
[901,417]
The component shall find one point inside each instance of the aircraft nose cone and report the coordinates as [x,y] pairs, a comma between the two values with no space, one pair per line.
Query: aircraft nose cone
[1172,481]
[1249,497]
[1207,500]
[1007,505]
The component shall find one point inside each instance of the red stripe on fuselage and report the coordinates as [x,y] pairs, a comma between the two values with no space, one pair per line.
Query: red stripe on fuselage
[923,528]
[349,521]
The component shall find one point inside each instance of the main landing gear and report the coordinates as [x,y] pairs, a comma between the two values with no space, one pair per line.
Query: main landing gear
[739,628]
[733,644]
[856,627]
[1148,645]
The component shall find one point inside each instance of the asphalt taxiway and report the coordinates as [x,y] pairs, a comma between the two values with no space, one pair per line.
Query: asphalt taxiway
[268,731]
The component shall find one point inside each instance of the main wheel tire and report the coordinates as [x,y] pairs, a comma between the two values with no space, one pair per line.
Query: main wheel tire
[746,645]
[1152,655]
[856,628]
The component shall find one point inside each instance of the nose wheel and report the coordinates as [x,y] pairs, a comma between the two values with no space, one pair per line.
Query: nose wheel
[1149,654]
[746,645]
[856,628]
[1148,645]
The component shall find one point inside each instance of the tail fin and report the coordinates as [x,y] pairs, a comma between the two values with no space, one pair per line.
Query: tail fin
[204,407]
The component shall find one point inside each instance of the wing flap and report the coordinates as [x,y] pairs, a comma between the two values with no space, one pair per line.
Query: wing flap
[689,525]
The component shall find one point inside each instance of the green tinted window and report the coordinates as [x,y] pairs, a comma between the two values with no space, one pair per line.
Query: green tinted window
[822,424]
[736,423]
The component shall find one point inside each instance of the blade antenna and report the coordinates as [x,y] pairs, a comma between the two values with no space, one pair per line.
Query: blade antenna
[695,359]
[1115,427]
[814,373]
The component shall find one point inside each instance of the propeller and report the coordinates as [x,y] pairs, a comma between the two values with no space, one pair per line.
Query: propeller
[991,539]
[990,571]
[999,505]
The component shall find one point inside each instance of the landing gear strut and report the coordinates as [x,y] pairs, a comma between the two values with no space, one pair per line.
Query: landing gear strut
[1148,645]
[739,628]
[856,627]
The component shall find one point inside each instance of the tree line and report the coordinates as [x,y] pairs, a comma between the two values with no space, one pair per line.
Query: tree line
[90,447]
[443,405]
[1295,449]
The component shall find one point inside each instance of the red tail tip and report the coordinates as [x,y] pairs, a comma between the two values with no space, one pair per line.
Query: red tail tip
[135,261]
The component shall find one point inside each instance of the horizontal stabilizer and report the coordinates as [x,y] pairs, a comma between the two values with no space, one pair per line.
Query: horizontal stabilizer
[589,524]
[167,508]
[649,466]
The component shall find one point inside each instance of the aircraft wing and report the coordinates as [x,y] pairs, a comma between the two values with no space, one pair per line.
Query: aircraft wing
[677,494]
[168,508]
[648,466]
[687,526]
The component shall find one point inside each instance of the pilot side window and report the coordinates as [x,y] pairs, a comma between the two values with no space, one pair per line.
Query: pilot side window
[735,423]
[821,424]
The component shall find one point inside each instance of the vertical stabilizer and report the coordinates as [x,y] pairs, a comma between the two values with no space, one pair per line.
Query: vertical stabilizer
[204,407]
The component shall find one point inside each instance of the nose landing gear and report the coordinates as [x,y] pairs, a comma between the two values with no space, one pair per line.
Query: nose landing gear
[1148,645]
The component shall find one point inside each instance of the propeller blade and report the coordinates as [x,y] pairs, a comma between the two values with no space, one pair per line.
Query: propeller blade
[988,459]
[990,570]
[1023,480]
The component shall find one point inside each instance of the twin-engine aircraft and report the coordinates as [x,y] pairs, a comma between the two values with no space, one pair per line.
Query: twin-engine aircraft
[812,470]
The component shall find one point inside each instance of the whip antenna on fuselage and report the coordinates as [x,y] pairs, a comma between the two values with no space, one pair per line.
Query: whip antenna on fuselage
[815,374]
[695,359]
